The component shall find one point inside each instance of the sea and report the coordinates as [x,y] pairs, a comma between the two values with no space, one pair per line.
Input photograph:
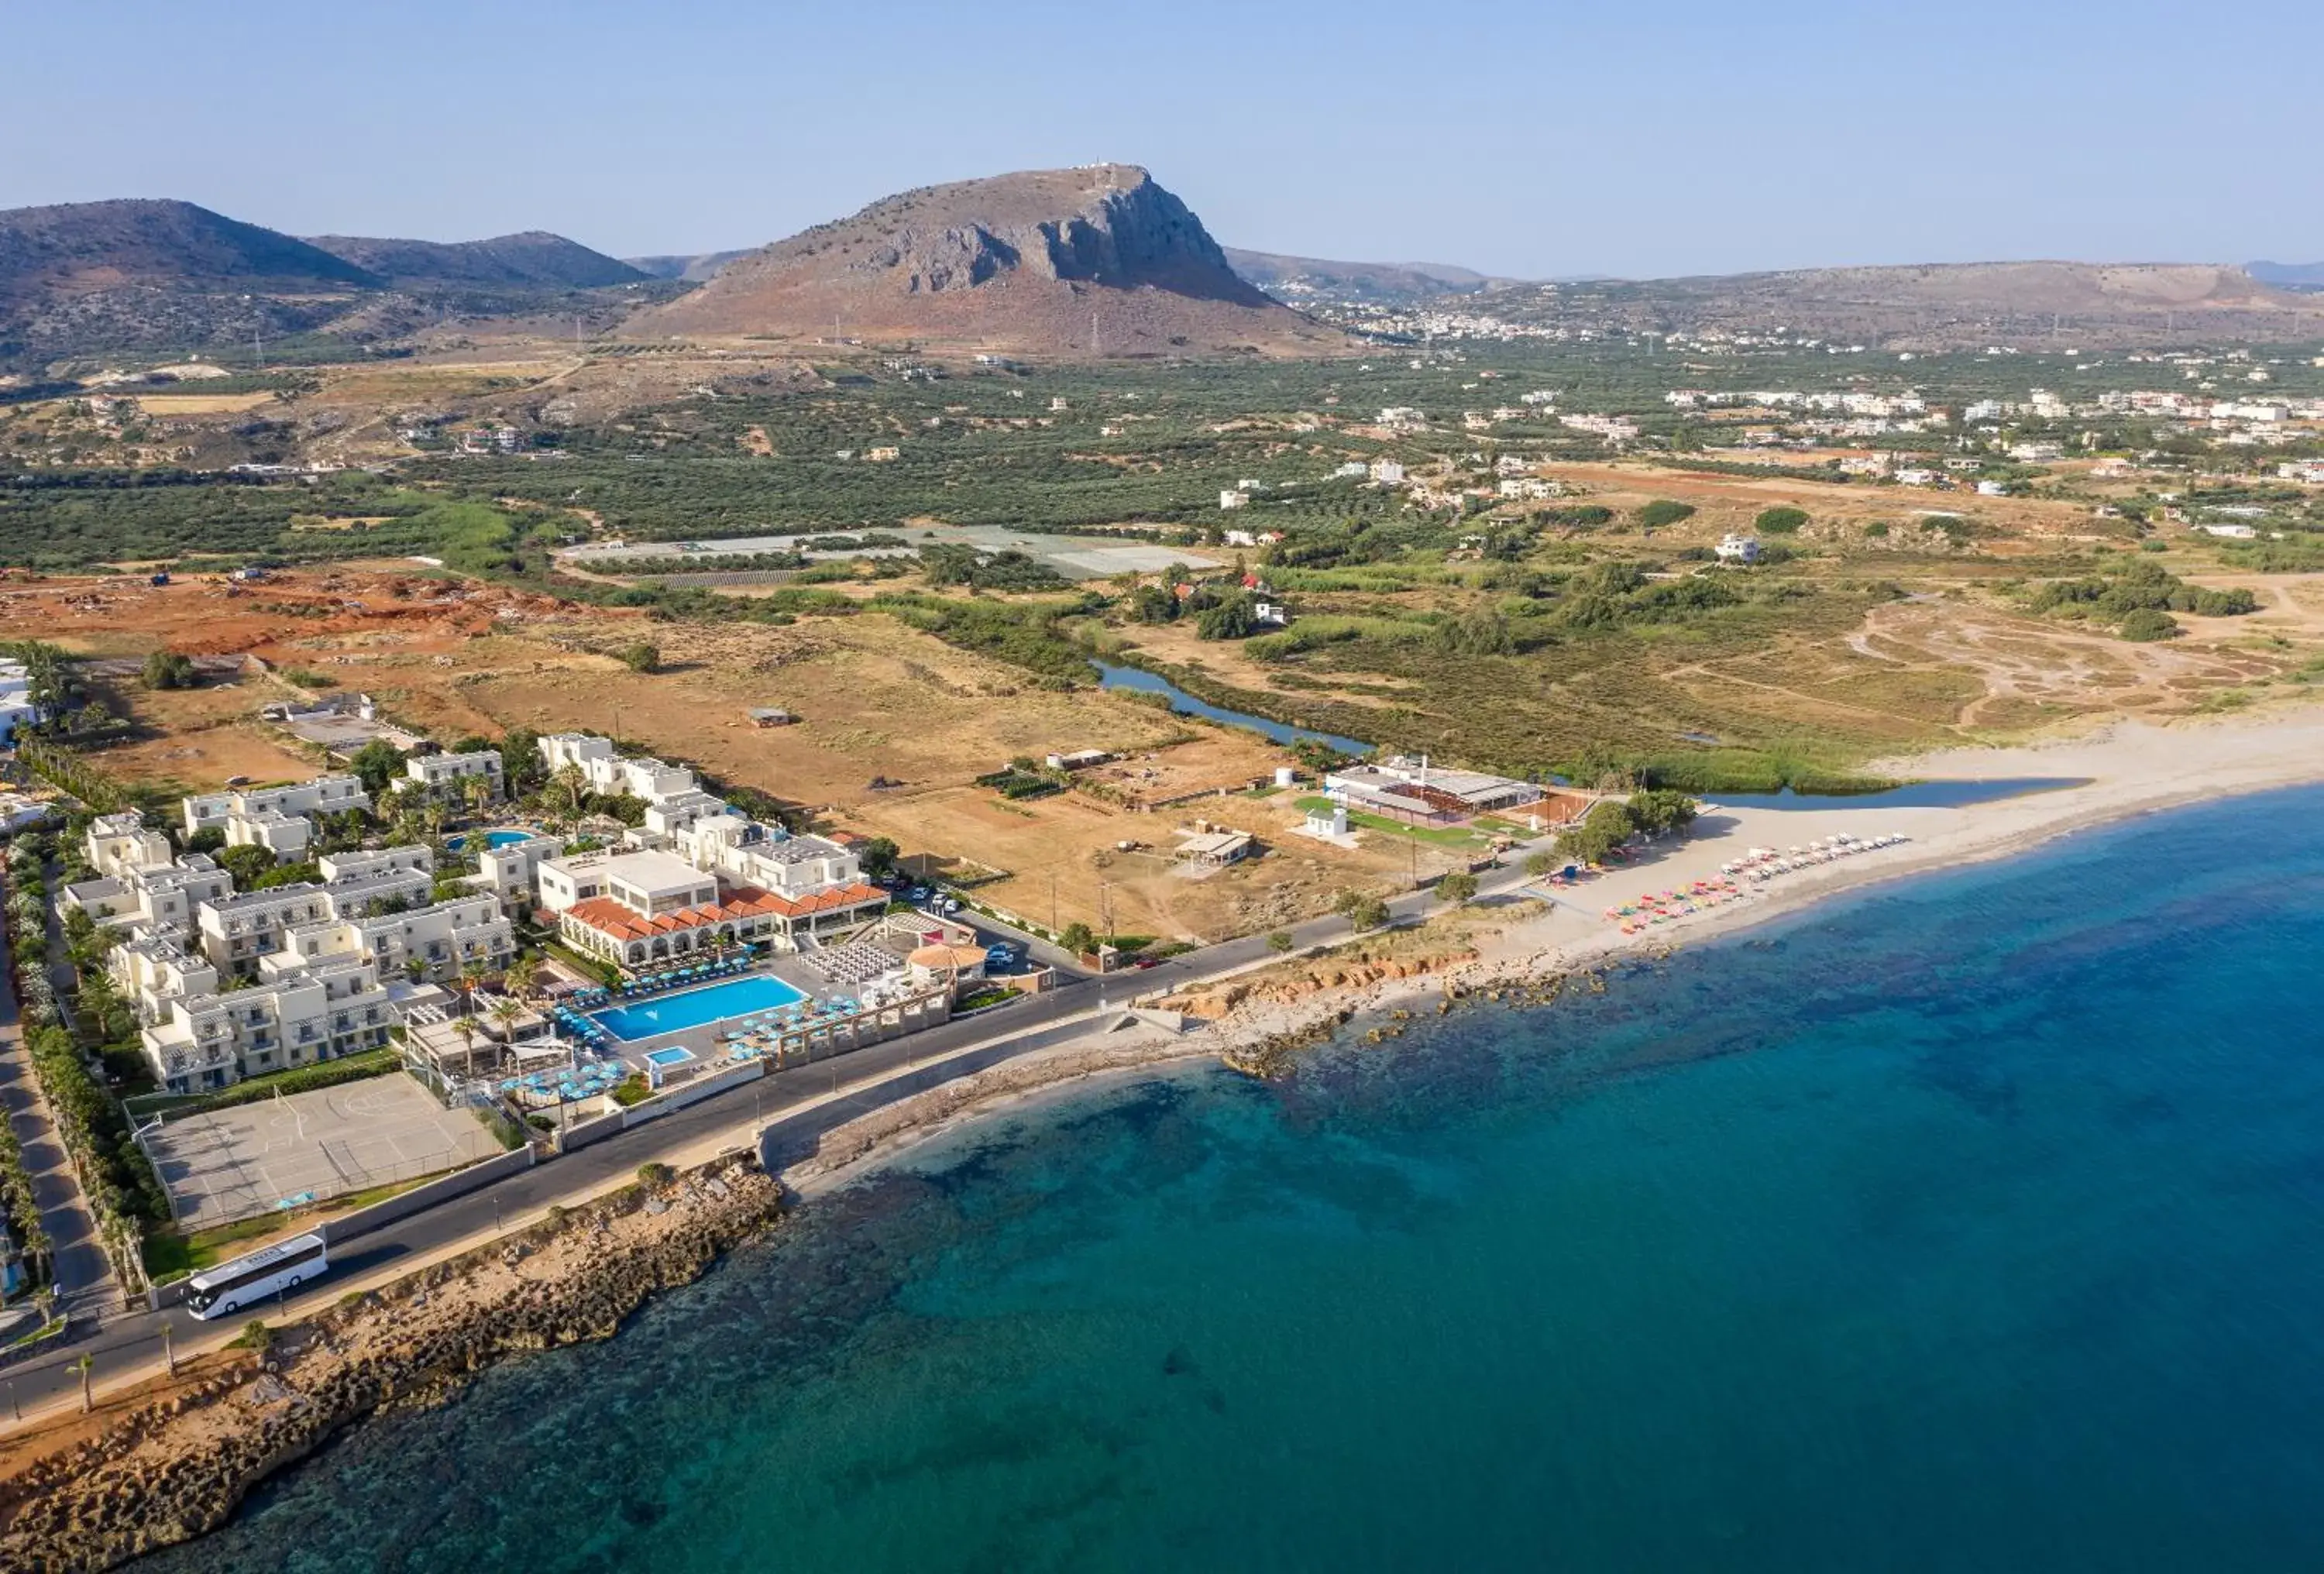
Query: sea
[1973,1223]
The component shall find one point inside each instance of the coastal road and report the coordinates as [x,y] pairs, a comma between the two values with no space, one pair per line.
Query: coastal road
[796,1106]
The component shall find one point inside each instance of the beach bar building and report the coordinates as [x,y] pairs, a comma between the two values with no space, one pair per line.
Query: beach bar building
[1418,793]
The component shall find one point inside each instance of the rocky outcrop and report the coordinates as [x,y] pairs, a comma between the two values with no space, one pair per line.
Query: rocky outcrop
[180,1467]
[1094,261]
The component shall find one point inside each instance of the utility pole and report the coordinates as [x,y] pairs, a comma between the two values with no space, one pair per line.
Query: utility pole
[168,1353]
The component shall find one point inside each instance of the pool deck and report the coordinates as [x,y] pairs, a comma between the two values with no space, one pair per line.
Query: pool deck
[706,1042]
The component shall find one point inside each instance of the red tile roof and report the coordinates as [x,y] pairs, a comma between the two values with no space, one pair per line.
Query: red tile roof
[610,917]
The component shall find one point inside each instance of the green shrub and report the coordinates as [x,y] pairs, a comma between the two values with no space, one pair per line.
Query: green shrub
[2145,624]
[1663,511]
[1780,521]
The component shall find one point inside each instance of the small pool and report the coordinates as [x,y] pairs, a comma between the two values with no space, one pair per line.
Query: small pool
[677,1054]
[675,1013]
[492,839]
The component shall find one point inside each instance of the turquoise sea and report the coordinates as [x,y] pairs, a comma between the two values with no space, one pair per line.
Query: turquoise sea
[1977,1224]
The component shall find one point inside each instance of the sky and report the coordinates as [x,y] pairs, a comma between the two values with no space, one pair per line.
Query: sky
[1534,140]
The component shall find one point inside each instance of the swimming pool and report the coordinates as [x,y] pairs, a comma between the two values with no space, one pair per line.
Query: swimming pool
[492,839]
[677,1054]
[675,1013]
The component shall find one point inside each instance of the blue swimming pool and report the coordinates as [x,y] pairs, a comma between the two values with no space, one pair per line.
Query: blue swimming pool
[677,1054]
[492,839]
[675,1013]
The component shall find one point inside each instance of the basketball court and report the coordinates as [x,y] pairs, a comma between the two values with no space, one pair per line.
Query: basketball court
[281,1153]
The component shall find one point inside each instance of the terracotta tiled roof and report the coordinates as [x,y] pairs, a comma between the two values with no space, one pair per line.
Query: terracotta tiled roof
[610,917]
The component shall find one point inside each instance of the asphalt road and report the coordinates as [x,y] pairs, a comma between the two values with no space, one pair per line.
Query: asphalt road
[956,1049]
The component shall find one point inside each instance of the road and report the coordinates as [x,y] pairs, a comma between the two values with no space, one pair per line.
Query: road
[776,1103]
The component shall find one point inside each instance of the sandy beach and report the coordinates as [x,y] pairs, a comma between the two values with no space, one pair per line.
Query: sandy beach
[2130,768]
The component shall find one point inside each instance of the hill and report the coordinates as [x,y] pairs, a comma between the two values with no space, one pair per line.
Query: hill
[2289,275]
[89,276]
[696,268]
[534,258]
[1935,307]
[1381,283]
[1099,259]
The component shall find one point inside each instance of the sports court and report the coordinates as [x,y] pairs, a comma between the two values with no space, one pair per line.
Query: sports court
[279,1153]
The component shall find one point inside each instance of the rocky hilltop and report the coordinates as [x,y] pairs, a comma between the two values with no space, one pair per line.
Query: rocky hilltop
[1098,259]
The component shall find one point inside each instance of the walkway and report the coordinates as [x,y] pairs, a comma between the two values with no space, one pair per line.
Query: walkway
[84,1278]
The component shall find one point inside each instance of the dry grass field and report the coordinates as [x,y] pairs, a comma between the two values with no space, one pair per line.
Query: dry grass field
[882,702]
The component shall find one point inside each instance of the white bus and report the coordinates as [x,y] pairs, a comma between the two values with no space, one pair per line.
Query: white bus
[248,1281]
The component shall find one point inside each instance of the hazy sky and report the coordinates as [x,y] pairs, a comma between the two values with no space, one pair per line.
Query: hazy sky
[1533,140]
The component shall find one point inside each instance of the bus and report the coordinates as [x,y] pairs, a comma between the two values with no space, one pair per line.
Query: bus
[248,1281]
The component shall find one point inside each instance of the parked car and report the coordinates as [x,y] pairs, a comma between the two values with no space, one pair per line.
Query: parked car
[949,905]
[917,894]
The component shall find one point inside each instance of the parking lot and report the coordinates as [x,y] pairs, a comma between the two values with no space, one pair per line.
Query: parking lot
[228,1165]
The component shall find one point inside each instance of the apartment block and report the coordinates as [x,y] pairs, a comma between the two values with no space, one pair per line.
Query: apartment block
[153,899]
[276,818]
[449,773]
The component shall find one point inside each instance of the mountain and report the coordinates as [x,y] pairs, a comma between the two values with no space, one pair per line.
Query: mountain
[532,259]
[699,268]
[98,276]
[1378,283]
[1098,259]
[2288,275]
[1934,307]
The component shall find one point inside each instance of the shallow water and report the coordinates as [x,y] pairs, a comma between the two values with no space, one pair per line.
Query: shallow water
[1138,680]
[1974,1225]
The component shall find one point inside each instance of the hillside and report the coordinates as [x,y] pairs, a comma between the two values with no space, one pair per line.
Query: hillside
[1948,305]
[136,273]
[1383,283]
[1030,263]
[2288,275]
[696,268]
[534,258]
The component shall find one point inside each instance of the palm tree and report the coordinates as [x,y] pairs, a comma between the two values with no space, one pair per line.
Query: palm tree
[570,784]
[465,1027]
[523,976]
[83,1366]
[471,972]
[504,1013]
[476,791]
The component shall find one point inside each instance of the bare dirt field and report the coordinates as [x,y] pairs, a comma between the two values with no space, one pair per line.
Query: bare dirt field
[876,700]
[201,738]
[175,404]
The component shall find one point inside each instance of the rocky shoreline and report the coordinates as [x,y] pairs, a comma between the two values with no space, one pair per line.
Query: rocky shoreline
[179,1467]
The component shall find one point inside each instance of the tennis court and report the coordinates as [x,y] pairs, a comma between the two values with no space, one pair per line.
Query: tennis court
[277,1153]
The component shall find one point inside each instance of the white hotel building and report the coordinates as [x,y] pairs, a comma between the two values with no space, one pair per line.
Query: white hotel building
[278,819]
[697,875]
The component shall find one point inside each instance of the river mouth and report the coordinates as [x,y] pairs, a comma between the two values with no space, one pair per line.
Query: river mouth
[1138,680]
